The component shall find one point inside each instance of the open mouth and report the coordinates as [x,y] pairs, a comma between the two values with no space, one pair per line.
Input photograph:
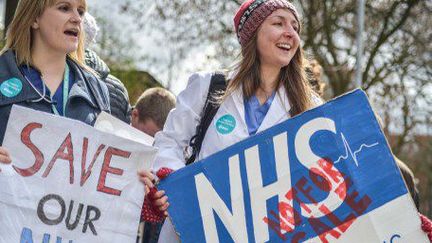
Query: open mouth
[72,32]
[284,46]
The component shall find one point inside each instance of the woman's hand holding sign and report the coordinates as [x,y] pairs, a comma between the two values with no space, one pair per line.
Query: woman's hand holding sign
[156,202]
[148,179]
[4,156]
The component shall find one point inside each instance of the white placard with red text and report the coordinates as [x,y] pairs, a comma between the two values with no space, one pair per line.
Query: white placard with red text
[69,182]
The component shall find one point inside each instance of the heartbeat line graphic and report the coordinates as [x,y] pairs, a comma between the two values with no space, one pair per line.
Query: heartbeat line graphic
[349,152]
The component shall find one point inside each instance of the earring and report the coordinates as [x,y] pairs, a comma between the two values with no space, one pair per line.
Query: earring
[35,25]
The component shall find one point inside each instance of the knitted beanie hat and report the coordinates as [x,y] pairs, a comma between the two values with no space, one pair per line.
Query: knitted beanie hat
[252,13]
[90,28]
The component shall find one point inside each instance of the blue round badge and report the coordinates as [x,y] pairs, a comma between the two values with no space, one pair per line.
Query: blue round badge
[11,87]
[225,124]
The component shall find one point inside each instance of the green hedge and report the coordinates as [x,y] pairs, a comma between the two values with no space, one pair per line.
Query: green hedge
[136,82]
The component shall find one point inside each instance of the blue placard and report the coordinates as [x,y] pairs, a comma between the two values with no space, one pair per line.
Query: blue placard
[310,176]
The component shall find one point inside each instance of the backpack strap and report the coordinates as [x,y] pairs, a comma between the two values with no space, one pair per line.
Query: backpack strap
[217,86]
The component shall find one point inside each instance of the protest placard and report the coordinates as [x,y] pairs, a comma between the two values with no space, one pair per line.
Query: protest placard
[327,175]
[110,124]
[69,182]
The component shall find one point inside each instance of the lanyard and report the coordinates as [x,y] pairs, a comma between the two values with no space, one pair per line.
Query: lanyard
[65,92]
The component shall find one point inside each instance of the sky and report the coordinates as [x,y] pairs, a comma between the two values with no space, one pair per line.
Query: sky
[146,45]
[2,11]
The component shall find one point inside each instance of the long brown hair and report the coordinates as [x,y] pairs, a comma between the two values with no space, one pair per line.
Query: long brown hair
[292,77]
[19,34]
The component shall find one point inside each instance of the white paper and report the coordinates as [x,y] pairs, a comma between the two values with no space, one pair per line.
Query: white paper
[20,196]
[110,124]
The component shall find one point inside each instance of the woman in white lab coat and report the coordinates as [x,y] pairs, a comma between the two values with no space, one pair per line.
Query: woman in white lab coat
[267,87]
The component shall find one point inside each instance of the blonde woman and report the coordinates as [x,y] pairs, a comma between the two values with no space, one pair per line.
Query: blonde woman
[41,65]
[268,86]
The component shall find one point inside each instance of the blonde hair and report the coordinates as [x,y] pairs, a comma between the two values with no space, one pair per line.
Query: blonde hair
[19,34]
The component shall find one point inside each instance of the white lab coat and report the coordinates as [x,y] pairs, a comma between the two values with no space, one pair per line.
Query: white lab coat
[182,121]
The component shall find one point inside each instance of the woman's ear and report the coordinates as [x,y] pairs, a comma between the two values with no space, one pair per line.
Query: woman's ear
[35,24]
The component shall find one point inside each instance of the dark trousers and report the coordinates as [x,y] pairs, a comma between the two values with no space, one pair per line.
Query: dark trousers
[150,233]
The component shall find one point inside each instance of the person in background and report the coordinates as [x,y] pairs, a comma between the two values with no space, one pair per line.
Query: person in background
[151,110]
[149,115]
[408,176]
[119,98]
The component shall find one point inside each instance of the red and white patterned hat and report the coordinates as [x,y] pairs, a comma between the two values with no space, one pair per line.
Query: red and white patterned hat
[252,13]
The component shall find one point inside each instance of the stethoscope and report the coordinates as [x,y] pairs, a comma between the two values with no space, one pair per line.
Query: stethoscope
[43,96]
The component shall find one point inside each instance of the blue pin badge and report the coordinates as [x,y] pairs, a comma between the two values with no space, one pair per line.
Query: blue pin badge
[11,87]
[225,124]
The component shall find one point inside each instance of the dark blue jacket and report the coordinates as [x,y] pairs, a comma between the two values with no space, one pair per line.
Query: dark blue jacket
[87,97]
[119,98]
